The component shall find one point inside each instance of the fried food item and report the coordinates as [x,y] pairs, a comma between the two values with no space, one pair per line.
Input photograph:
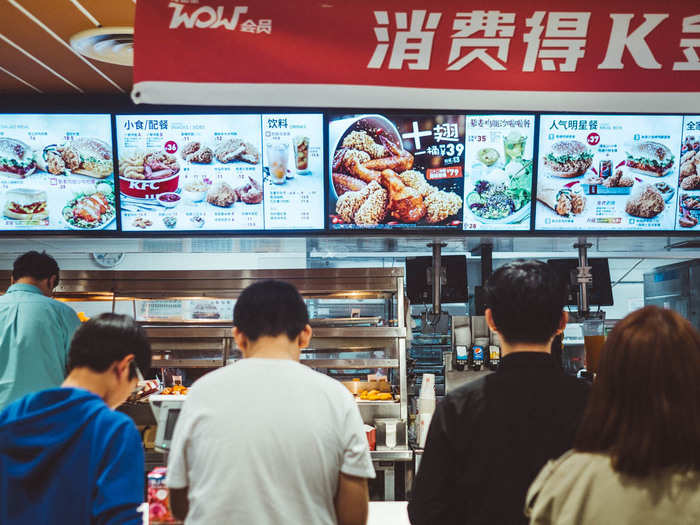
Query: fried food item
[441,205]
[160,165]
[222,195]
[131,166]
[361,140]
[354,156]
[250,192]
[349,202]
[197,153]
[344,183]
[691,183]
[416,180]
[400,160]
[237,149]
[647,204]
[688,169]
[619,180]
[405,203]
[688,156]
[564,201]
[374,208]
[55,163]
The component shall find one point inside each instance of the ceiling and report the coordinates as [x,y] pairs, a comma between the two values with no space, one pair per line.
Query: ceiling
[35,54]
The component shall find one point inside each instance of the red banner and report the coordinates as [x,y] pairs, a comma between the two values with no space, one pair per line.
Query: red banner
[224,52]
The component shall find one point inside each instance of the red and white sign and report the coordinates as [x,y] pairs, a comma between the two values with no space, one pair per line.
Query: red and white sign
[454,53]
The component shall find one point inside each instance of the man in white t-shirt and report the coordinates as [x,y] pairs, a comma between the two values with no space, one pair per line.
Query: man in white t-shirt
[267,440]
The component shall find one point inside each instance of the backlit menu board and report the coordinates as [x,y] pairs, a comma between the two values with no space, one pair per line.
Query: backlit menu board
[608,172]
[396,171]
[221,172]
[498,172]
[689,179]
[56,173]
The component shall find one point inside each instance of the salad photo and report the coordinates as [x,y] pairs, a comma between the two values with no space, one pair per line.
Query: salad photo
[91,210]
[498,189]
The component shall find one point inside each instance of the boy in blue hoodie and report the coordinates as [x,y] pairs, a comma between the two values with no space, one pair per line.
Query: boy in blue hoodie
[66,457]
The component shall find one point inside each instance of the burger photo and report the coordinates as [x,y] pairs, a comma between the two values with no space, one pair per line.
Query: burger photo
[16,158]
[568,159]
[25,204]
[650,158]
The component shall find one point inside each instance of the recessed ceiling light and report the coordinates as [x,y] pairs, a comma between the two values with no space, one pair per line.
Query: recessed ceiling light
[114,45]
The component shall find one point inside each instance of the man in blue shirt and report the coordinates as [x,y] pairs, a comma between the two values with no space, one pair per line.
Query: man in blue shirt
[65,455]
[35,330]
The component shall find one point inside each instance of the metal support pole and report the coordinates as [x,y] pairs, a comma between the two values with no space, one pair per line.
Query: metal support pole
[437,284]
[583,306]
[486,262]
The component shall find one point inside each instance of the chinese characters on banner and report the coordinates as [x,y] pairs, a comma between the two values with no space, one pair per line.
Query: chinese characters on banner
[616,46]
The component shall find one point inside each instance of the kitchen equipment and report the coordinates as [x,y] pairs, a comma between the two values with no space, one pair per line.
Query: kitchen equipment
[391,433]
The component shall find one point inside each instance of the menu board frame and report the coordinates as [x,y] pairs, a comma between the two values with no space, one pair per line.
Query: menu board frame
[75,110]
[618,232]
[121,105]
[168,111]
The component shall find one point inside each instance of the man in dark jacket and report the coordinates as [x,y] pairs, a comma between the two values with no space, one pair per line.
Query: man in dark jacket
[65,455]
[489,439]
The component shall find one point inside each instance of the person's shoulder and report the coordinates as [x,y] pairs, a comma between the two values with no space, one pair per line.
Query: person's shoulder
[115,422]
[471,390]
[578,387]
[62,307]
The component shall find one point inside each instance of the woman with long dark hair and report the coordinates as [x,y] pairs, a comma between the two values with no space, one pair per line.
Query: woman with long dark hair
[636,458]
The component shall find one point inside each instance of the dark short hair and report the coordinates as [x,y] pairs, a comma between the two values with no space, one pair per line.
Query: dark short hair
[106,339]
[644,408]
[270,308]
[527,299]
[36,265]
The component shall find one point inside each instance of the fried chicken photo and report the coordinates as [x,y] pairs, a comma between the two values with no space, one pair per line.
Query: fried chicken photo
[691,183]
[688,169]
[619,180]
[366,207]
[197,153]
[405,203]
[647,204]
[441,205]
[237,149]
[416,180]
[361,140]
[373,210]
[223,196]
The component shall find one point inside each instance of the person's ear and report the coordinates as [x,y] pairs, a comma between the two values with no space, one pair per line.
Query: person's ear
[241,339]
[563,322]
[305,337]
[489,320]
[53,282]
[122,368]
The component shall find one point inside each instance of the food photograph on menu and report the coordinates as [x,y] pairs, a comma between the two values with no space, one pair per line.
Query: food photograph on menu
[56,173]
[689,178]
[208,172]
[396,171]
[498,172]
[608,172]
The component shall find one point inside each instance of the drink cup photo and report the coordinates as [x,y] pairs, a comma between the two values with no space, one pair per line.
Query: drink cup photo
[593,342]
[277,161]
[514,146]
[301,154]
